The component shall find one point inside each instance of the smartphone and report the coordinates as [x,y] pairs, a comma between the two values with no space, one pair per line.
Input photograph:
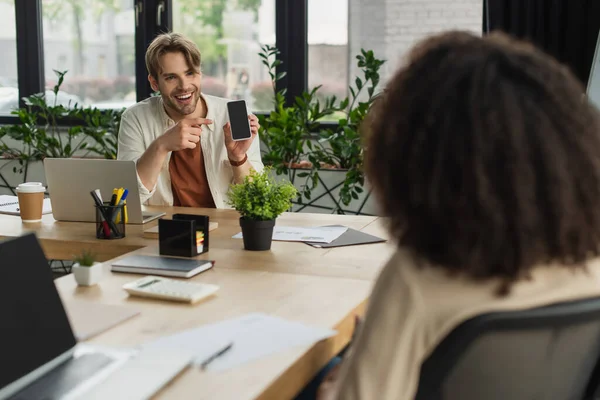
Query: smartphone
[238,117]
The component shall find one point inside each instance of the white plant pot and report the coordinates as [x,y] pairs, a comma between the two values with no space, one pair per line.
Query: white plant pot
[87,276]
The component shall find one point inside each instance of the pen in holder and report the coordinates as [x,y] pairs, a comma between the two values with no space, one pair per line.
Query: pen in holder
[185,235]
[109,225]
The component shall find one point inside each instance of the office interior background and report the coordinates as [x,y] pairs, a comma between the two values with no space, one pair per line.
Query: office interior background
[100,46]
[95,41]
[101,43]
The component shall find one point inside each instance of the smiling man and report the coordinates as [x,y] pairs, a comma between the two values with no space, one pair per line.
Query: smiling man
[181,140]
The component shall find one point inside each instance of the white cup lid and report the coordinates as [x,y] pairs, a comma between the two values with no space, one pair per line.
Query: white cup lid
[31,187]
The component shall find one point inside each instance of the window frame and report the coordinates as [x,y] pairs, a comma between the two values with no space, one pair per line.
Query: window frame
[291,29]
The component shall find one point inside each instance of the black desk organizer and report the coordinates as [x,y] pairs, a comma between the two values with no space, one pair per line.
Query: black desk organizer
[185,235]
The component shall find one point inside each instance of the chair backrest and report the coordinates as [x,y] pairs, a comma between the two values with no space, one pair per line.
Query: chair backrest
[546,353]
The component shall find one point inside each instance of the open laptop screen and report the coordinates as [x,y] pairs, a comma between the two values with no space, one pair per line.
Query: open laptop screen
[34,325]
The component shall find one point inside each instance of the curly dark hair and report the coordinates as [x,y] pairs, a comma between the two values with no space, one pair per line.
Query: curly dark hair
[484,154]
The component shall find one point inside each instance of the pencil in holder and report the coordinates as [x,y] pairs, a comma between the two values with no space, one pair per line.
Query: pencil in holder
[109,223]
[185,235]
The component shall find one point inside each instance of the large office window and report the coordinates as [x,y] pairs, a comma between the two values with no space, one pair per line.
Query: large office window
[9,88]
[339,29]
[101,44]
[93,41]
[229,34]
[328,47]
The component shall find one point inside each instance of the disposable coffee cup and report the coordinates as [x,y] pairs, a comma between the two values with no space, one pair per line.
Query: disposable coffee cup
[31,201]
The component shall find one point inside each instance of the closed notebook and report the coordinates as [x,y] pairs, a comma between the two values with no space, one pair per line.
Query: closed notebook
[164,266]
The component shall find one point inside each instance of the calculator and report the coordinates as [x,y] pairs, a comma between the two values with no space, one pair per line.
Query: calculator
[170,289]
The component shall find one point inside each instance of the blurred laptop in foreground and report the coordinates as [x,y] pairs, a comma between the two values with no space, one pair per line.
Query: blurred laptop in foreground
[40,355]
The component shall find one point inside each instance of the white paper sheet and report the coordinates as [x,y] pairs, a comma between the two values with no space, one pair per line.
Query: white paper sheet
[253,336]
[321,234]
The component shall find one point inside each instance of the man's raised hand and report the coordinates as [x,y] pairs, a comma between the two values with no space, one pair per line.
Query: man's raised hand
[185,134]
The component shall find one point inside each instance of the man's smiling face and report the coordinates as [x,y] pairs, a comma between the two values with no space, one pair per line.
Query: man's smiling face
[179,85]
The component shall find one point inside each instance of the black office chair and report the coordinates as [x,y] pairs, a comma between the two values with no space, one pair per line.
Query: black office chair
[546,353]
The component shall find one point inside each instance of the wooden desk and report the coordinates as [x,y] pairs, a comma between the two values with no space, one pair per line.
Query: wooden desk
[63,240]
[317,301]
[320,287]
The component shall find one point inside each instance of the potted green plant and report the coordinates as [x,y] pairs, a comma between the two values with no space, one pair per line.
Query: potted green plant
[260,200]
[86,270]
[301,141]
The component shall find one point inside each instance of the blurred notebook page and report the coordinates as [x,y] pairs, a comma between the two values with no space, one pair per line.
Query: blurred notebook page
[90,319]
[10,205]
[253,336]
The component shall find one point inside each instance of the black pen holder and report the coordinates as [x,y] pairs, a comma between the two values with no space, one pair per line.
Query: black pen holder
[110,221]
[185,235]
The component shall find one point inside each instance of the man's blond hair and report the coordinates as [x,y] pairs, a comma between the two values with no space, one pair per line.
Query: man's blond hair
[171,43]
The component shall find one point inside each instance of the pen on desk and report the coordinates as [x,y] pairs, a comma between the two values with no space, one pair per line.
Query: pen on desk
[121,202]
[113,199]
[125,193]
[215,356]
[104,223]
[118,202]
[106,217]
[99,204]
[113,202]
[99,194]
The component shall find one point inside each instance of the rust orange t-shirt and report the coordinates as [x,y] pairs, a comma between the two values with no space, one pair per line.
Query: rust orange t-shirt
[188,179]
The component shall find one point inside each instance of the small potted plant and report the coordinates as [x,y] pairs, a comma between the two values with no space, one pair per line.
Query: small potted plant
[260,200]
[86,270]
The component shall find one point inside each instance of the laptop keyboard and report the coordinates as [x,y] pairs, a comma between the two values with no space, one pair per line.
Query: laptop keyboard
[64,378]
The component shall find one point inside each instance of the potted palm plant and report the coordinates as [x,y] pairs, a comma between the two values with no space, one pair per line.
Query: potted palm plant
[86,270]
[260,200]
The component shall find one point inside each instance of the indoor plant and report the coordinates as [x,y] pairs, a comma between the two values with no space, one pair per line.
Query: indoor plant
[295,137]
[49,128]
[86,270]
[260,200]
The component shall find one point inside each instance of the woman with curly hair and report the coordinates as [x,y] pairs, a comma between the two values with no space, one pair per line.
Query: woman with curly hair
[484,155]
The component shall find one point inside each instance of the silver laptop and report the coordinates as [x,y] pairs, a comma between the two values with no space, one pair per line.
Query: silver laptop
[40,356]
[70,181]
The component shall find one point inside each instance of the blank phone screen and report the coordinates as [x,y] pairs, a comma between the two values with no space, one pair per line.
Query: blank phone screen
[238,117]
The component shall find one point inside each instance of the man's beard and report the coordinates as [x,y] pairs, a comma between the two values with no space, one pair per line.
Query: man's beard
[182,108]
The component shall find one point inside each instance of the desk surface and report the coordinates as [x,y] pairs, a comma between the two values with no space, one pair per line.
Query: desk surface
[317,301]
[63,240]
[320,287]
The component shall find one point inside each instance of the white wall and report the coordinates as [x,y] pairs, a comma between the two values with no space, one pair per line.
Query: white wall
[391,27]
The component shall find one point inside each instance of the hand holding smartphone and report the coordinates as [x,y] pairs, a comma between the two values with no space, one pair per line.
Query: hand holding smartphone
[238,118]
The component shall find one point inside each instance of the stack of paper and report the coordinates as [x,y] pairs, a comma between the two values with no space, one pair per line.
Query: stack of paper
[319,234]
[253,336]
